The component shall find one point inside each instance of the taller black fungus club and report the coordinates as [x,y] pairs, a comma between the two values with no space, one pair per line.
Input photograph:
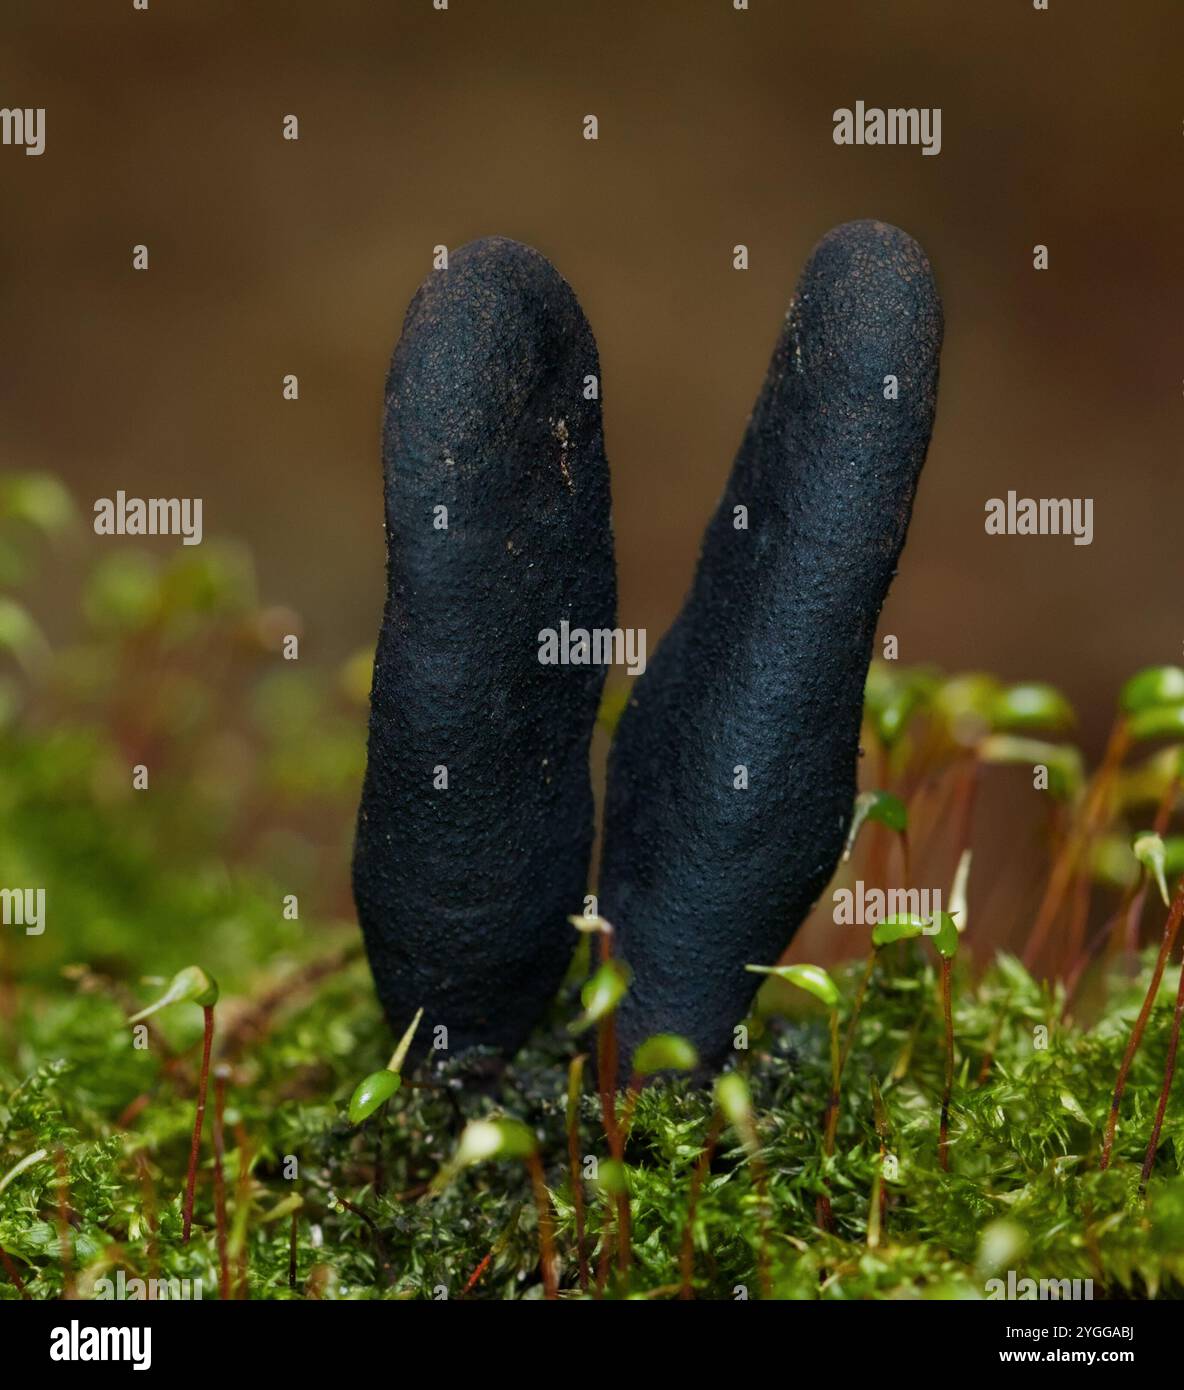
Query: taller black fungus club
[732,775]
[475,826]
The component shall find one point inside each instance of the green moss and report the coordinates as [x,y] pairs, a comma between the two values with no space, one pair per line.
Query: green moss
[1023,1151]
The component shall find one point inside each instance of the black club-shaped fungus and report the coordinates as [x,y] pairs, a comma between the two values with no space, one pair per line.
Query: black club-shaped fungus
[760,680]
[476,821]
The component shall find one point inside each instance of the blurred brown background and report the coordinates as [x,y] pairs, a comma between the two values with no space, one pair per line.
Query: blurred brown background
[419,127]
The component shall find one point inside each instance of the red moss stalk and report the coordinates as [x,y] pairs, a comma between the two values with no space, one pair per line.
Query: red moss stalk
[546,1230]
[13,1273]
[1077,844]
[574,1081]
[1170,932]
[220,1185]
[194,1148]
[1169,1071]
[687,1256]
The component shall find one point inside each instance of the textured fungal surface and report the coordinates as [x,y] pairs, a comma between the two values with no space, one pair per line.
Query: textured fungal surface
[475,826]
[732,774]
